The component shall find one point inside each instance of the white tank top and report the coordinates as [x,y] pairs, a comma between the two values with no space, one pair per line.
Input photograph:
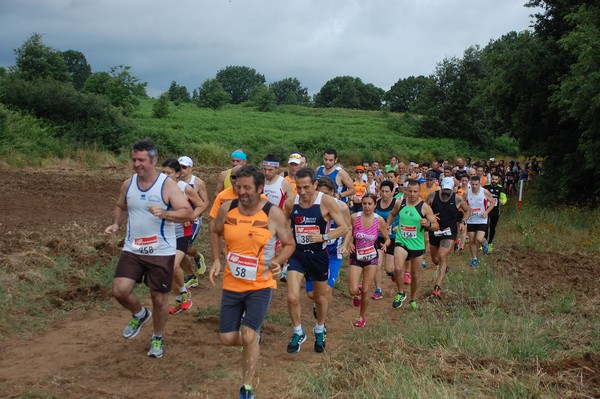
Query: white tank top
[478,204]
[147,234]
[275,193]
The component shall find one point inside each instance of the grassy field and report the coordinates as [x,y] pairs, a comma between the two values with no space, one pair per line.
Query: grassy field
[210,136]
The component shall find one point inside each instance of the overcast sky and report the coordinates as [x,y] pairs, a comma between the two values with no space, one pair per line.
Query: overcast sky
[379,41]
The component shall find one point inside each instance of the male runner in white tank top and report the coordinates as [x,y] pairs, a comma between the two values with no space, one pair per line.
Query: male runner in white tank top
[151,203]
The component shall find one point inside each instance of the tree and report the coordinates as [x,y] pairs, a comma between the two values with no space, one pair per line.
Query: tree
[160,109]
[264,98]
[289,91]
[119,86]
[211,95]
[178,93]
[239,82]
[404,95]
[349,92]
[77,66]
[35,60]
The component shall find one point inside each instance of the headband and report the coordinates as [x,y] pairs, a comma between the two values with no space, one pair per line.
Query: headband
[238,155]
[273,164]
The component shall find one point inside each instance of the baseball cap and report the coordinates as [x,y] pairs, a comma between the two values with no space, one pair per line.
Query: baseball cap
[448,183]
[430,175]
[295,158]
[186,161]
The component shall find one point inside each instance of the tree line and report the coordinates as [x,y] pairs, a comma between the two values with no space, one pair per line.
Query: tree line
[540,87]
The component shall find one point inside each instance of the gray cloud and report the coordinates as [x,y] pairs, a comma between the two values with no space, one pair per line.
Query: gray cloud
[188,41]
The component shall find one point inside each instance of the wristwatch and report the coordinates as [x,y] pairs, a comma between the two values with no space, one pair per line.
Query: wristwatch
[325,237]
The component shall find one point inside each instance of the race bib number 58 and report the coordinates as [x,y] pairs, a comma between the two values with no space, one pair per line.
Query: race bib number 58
[242,266]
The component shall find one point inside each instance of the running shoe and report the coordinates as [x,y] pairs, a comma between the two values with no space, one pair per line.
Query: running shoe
[378,294]
[485,247]
[457,245]
[437,291]
[399,299]
[319,342]
[295,342]
[413,304]
[186,300]
[406,277]
[474,262]
[423,263]
[315,309]
[176,308]
[283,277]
[200,264]
[246,393]
[156,347]
[490,248]
[359,322]
[191,281]
[133,328]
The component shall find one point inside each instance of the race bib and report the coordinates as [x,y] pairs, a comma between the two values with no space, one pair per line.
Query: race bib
[303,231]
[445,232]
[366,254]
[408,231]
[242,266]
[145,245]
[475,212]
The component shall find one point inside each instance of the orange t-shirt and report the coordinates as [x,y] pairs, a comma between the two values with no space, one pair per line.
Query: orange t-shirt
[223,196]
[250,248]
[360,191]
[426,191]
[292,183]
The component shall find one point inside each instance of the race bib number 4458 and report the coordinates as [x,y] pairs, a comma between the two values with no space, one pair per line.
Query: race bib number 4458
[242,266]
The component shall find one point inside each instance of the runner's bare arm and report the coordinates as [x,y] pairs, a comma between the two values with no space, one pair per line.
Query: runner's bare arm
[429,221]
[202,191]
[194,198]
[288,205]
[351,247]
[393,213]
[120,210]
[429,199]
[491,201]
[287,189]
[221,182]
[346,181]
[466,210]
[215,227]
[383,229]
[280,224]
[180,211]
[348,237]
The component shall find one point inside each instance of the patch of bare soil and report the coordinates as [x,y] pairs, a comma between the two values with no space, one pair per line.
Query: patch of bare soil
[62,212]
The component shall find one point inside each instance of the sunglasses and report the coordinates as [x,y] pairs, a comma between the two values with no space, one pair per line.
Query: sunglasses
[359,171]
[233,177]
[185,167]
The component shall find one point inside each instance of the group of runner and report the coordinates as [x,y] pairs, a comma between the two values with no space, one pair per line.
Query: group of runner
[304,221]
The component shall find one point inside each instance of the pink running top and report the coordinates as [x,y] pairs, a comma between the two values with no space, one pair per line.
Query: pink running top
[365,237]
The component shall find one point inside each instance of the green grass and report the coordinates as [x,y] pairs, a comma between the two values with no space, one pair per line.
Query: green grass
[210,136]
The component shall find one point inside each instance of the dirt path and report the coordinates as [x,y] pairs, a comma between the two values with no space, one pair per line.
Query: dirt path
[84,355]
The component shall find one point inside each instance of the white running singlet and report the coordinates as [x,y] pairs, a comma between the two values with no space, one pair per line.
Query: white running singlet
[146,233]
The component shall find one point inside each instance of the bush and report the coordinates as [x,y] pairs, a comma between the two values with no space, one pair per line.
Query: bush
[80,118]
[160,109]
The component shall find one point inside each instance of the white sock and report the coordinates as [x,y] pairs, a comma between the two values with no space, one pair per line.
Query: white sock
[298,330]
[319,328]
[141,314]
